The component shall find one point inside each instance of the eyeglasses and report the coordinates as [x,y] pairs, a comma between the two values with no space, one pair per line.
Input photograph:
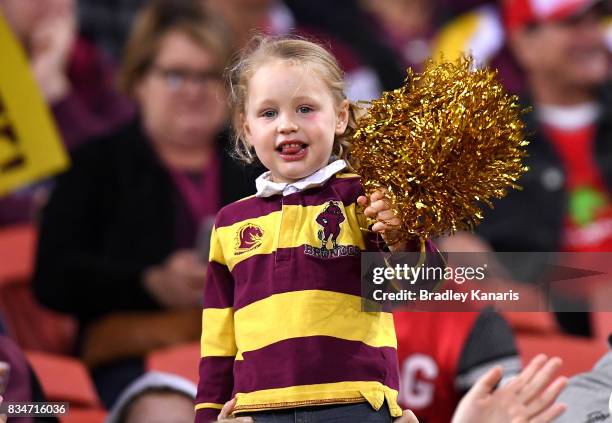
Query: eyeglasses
[177,78]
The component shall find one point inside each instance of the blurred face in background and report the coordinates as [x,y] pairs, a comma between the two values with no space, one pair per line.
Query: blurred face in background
[242,16]
[181,97]
[405,17]
[161,408]
[24,15]
[571,53]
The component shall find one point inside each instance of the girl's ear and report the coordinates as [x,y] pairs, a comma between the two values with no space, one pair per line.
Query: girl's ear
[342,117]
[246,129]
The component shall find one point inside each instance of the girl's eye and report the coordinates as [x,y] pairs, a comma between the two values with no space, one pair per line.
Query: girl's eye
[304,109]
[269,113]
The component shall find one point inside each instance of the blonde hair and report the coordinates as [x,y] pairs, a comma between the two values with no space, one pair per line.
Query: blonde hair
[294,50]
[159,18]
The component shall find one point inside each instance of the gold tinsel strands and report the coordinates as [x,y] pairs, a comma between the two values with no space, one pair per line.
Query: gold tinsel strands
[448,141]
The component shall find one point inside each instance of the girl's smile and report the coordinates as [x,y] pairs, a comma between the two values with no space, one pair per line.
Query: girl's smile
[291,150]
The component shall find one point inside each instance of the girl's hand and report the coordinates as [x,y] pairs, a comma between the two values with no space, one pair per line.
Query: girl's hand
[380,209]
[226,411]
[407,417]
[527,398]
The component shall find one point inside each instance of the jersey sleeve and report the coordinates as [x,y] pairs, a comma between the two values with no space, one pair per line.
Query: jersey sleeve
[218,344]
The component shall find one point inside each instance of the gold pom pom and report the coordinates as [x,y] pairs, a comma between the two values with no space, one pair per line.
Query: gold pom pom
[443,144]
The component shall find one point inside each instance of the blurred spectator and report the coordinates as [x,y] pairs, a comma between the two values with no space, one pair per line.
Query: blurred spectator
[588,395]
[118,236]
[274,17]
[155,397]
[75,79]
[565,202]
[481,34]
[343,26]
[407,26]
[18,383]
[245,17]
[442,355]
[347,23]
[107,23]
[451,8]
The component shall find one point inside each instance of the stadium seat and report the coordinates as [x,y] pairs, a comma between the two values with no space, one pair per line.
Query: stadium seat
[17,245]
[64,379]
[181,360]
[21,313]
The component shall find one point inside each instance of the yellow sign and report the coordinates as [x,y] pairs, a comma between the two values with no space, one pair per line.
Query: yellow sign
[30,145]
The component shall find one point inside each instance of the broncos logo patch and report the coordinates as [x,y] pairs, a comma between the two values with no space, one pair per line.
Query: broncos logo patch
[329,222]
[248,237]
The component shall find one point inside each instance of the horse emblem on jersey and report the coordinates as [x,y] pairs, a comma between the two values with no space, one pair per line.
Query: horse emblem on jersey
[329,221]
[248,237]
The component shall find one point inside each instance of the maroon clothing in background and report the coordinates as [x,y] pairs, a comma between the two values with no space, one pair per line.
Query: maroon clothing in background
[92,108]
[198,197]
[19,388]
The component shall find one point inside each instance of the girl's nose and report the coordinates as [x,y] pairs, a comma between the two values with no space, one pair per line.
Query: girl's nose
[286,125]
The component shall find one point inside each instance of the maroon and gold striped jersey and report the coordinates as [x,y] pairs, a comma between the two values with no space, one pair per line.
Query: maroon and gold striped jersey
[282,320]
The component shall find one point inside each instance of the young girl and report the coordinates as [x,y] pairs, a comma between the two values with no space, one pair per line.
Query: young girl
[283,331]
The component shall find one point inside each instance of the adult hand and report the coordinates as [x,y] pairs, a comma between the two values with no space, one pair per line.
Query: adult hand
[179,281]
[378,207]
[527,398]
[50,45]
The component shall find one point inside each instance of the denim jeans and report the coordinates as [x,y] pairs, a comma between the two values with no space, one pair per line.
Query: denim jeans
[346,413]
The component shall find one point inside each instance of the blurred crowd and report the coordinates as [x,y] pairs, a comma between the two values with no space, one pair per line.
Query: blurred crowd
[136,89]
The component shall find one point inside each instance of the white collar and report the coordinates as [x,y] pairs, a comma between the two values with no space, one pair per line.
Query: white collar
[267,188]
[569,118]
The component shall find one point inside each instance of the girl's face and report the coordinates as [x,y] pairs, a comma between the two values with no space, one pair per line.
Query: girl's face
[291,119]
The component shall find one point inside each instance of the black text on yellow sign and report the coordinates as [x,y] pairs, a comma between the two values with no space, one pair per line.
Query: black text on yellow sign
[30,146]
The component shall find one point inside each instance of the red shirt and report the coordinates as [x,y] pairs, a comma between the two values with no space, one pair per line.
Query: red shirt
[429,347]
[588,222]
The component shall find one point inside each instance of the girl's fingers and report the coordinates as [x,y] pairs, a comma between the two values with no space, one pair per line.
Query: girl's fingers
[385,227]
[540,380]
[528,372]
[380,227]
[379,205]
[486,383]
[389,217]
[550,414]
[362,200]
[227,409]
[407,417]
[547,398]
[377,195]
